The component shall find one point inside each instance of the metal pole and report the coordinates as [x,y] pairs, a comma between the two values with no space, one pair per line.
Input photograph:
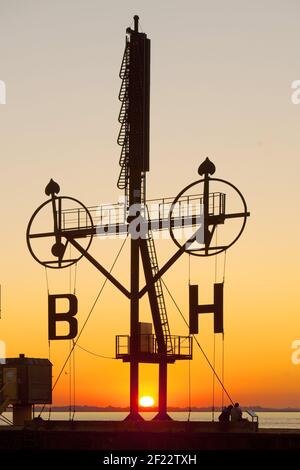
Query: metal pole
[162,388]
[134,201]
[162,392]
[136,23]
[206,212]
[134,327]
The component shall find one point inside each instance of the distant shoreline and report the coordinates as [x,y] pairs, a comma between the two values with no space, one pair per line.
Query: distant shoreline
[110,409]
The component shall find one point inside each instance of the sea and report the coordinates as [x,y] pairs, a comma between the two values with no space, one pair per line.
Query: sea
[267,419]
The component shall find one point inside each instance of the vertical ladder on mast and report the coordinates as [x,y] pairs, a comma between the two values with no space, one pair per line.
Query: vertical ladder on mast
[143,189]
[159,292]
[123,137]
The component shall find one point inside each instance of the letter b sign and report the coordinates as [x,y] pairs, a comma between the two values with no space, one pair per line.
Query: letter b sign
[54,316]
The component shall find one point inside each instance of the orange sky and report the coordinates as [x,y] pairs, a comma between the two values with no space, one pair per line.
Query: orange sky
[220,87]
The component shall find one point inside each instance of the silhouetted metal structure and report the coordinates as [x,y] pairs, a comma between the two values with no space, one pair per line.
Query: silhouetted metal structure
[134,162]
[77,225]
[24,382]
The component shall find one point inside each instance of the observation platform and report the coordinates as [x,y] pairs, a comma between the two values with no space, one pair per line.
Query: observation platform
[111,219]
[179,348]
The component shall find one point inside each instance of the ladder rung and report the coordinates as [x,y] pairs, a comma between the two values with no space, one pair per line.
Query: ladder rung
[159,292]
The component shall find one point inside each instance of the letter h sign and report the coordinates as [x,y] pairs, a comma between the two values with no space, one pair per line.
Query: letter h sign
[216,308]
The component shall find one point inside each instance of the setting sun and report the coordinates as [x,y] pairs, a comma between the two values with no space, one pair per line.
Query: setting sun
[146,401]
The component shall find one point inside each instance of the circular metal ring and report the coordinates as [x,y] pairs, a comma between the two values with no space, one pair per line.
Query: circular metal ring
[186,189]
[29,236]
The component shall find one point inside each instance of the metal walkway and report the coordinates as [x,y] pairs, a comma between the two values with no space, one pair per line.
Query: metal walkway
[111,219]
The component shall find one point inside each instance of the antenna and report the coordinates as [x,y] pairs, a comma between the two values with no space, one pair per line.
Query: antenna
[136,23]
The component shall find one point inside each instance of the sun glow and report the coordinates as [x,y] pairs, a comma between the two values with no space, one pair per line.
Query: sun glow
[146,401]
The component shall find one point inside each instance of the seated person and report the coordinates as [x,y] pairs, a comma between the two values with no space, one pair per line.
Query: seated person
[225,415]
[236,413]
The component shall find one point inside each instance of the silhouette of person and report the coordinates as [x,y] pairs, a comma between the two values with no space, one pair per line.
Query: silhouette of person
[225,415]
[236,413]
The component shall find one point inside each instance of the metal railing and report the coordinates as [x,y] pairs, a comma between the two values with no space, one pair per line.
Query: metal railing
[181,346]
[253,416]
[112,218]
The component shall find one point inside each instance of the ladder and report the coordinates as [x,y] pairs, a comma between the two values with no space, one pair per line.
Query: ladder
[123,137]
[143,190]
[159,293]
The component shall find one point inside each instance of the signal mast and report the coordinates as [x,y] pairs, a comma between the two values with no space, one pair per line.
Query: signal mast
[72,223]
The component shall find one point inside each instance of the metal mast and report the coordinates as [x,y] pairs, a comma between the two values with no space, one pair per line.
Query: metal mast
[134,161]
[75,224]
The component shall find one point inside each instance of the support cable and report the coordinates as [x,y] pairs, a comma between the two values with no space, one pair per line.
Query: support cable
[71,358]
[93,353]
[214,345]
[223,367]
[213,379]
[74,365]
[190,391]
[74,384]
[223,335]
[70,378]
[190,380]
[49,355]
[49,342]
[47,280]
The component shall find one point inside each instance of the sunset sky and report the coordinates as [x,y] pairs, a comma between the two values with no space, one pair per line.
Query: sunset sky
[220,87]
